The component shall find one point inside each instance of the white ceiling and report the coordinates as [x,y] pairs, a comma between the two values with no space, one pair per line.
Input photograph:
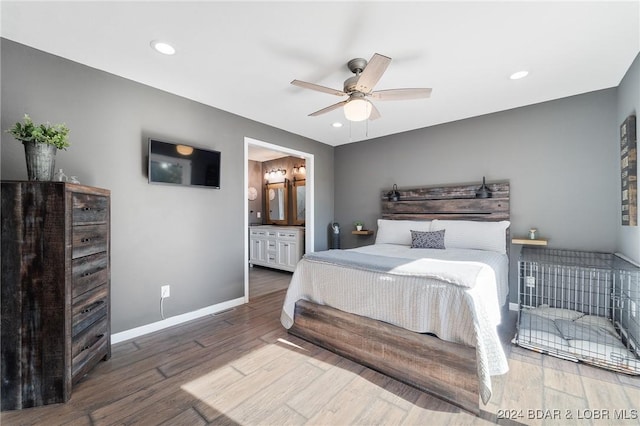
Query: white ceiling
[241,56]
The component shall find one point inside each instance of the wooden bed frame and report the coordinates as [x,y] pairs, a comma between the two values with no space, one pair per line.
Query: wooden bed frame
[443,369]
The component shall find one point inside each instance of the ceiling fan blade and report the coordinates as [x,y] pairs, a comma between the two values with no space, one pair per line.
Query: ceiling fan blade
[372,73]
[327,109]
[401,94]
[318,88]
[375,114]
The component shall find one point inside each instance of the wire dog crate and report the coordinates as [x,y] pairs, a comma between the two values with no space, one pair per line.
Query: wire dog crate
[580,306]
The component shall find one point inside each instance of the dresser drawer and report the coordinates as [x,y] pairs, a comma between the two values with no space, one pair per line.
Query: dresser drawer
[288,235]
[89,308]
[89,272]
[90,353]
[89,239]
[89,337]
[88,208]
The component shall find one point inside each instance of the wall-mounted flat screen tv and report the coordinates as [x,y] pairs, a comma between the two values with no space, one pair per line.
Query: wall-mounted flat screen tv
[178,164]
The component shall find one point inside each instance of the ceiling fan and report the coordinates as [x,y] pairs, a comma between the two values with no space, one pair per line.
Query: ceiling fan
[360,87]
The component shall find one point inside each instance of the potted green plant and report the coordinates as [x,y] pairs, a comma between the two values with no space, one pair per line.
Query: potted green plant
[41,141]
[358,224]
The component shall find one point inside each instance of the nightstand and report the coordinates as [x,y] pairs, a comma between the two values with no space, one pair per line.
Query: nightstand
[529,242]
[363,232]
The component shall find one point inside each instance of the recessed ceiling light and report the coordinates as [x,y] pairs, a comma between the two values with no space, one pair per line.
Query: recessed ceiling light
[337,124]
[518,75]
[162,47]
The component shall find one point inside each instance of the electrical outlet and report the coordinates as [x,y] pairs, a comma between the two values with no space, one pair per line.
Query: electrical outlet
[165,291]
[258,215]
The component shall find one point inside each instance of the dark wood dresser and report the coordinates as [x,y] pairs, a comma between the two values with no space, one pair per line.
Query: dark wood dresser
[55,289]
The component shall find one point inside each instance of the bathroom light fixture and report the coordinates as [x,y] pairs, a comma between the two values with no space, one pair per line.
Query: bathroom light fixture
[162,47]
[300,169]
[274,173]
[357,109]
[518,75]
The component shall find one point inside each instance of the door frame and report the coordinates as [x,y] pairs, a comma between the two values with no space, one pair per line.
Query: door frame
[309,200]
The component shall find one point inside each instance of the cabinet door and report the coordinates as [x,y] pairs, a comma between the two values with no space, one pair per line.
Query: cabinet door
[287,254]
[293,258]
[257,251]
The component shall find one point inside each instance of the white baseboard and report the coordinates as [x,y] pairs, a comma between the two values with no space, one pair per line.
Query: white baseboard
[178,319]
[513,306]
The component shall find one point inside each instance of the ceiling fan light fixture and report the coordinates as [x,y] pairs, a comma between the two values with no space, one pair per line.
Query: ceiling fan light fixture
[337,124]
[358,87]
[357,109]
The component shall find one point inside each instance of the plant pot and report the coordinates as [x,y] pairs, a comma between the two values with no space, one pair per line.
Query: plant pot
[41,160]
[359,228]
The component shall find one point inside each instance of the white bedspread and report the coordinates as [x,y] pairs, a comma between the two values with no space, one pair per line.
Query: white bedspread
[461,314]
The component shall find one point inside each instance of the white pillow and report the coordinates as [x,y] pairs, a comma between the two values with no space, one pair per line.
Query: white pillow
[473,235]
[399,231]
[555,313]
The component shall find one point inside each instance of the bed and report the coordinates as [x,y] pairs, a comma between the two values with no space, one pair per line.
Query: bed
[389,305]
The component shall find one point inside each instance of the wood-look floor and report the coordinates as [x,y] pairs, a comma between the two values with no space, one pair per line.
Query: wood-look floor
[241,367]
[266,280]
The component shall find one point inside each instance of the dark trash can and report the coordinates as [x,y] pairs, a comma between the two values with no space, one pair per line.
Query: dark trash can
[335,235]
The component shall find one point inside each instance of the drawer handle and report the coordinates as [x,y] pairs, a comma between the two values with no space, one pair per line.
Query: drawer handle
[92,307]
[86,274]
[98,337]
[86,209]
[286,245]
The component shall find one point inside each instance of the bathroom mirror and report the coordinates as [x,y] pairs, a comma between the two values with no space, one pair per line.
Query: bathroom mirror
[299,201]
[276,203]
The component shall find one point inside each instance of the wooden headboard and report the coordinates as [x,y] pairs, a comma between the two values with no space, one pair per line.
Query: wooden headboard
[448,202]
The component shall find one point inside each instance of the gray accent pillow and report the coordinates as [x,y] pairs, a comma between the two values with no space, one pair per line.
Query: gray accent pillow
[433,239]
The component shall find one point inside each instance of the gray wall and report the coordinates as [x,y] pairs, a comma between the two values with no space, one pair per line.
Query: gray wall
[189,238]
[561,158]
[628,104]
